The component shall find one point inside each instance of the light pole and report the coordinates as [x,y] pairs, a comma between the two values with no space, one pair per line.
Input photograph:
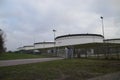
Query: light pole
[104,36]
[102,26]
[34,45]
[54,41]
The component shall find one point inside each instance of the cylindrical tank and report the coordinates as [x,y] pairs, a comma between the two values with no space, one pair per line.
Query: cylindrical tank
[42,45]
[117,40]
[74,39]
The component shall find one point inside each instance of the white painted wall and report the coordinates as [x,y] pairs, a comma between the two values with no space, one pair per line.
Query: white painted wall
[73,40]
[20,48]
[112,41]
[28,47]
[46,45]
[37,46]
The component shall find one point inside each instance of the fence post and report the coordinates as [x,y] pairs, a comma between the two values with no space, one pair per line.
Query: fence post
[117,52]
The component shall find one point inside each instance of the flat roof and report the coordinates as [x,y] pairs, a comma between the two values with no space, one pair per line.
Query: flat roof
[69,35]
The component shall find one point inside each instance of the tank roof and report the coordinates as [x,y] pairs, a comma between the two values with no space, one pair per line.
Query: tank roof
[28,46]
[69,35]
[44,43]
[112,39]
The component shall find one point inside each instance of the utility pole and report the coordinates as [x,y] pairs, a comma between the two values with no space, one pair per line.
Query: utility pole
[104,46]
[102,26]
[54,41]
[34,45]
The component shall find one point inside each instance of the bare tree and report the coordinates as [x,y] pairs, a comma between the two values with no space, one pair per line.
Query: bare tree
[2,48]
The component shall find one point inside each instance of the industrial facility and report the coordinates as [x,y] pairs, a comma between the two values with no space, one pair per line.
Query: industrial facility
[84,44]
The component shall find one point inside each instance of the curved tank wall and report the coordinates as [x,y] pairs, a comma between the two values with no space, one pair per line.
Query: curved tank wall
[42,45]
[74,39]
[27,48]
[112,40]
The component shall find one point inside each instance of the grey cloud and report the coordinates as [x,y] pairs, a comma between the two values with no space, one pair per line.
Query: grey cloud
[27,20]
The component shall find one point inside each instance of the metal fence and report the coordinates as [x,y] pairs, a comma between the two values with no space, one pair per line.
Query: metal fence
[106,51]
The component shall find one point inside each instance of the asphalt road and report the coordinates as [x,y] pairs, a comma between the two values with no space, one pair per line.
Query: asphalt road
[25,61]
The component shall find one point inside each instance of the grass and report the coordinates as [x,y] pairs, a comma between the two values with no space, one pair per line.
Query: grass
[10,56]
[70,69]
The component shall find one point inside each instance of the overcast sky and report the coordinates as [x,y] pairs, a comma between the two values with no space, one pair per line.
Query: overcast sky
[27,21]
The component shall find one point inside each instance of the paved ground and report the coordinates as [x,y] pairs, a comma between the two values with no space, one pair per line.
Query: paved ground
[25,61]
[112,76]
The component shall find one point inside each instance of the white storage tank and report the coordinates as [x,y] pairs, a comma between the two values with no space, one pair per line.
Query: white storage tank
[42,45]
[28,47]
[117,40]
[74,39]
[20,48]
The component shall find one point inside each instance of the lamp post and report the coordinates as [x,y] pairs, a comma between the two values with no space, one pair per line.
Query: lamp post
[102,26]
[34,45]
[105,54]
[54,41]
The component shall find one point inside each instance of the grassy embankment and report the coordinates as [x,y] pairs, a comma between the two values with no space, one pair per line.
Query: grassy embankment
[11,56]
[71,69]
